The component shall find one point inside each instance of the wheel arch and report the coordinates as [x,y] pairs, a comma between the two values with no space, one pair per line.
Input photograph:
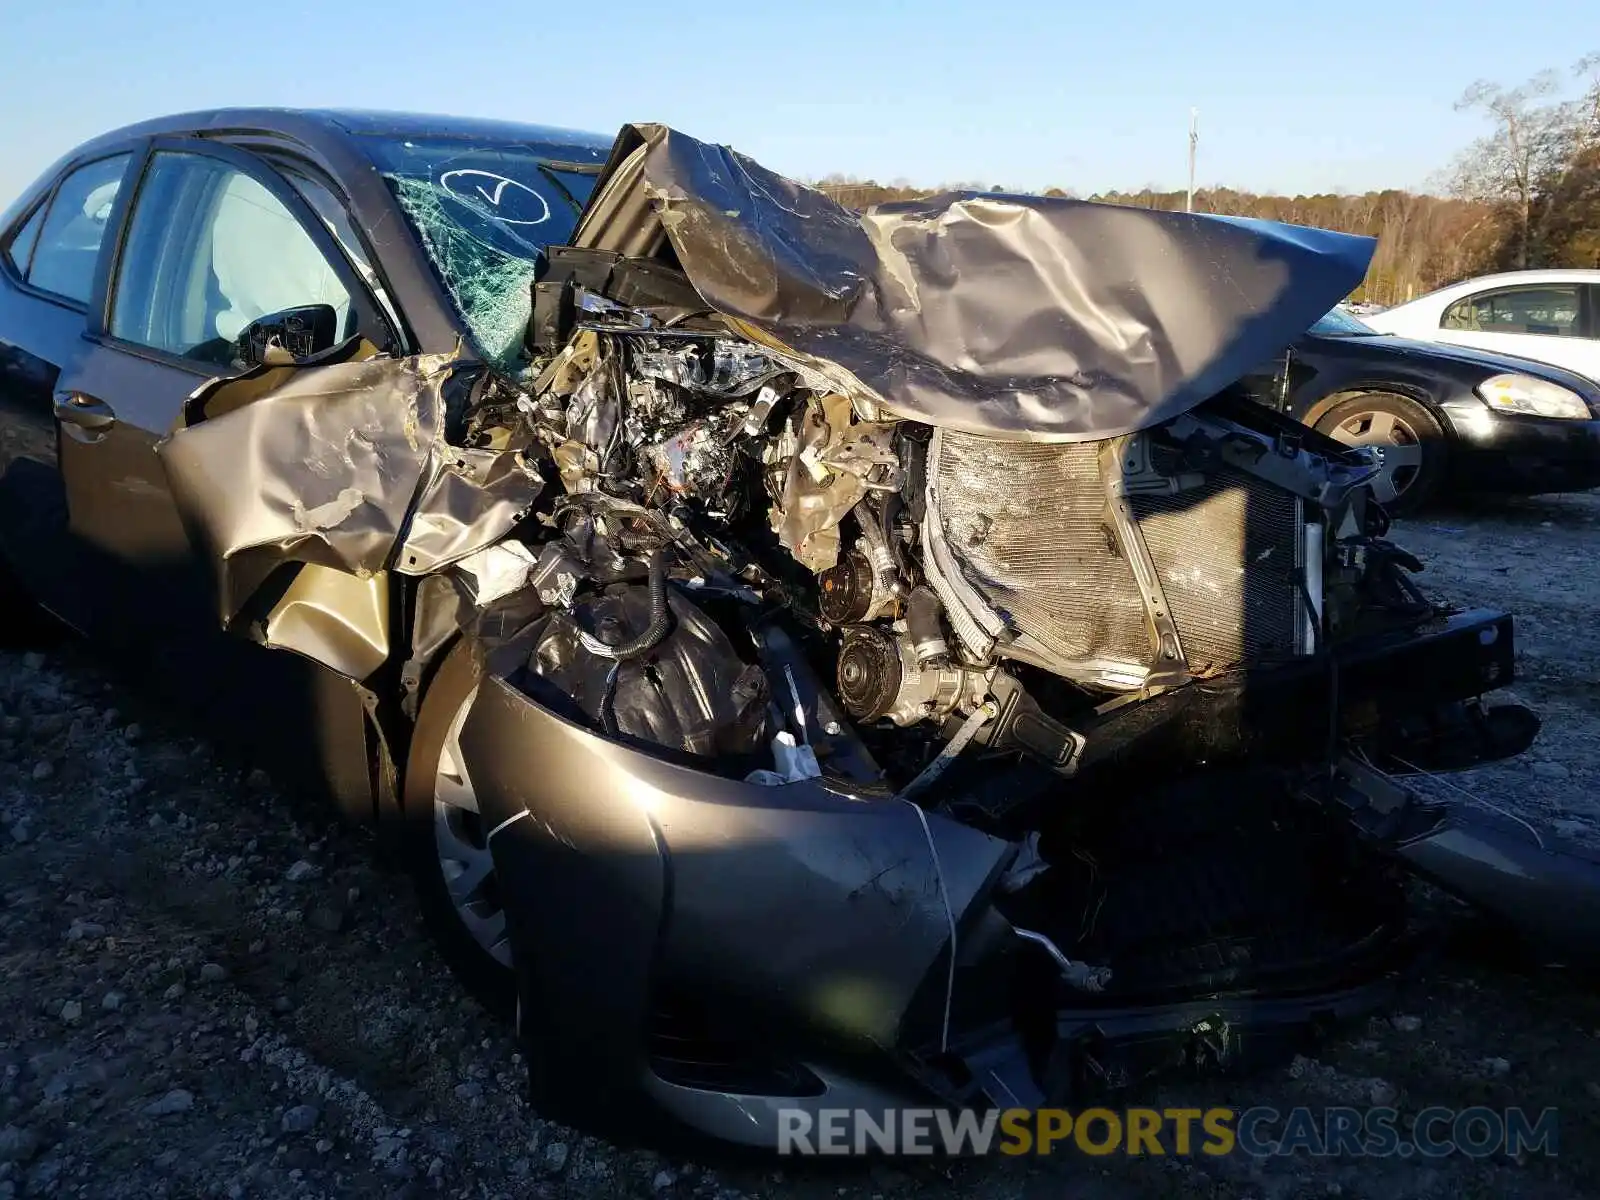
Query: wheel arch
[1405,389]
[454,667]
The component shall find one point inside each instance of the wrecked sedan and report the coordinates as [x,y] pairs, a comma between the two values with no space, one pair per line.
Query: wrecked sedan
[808,659]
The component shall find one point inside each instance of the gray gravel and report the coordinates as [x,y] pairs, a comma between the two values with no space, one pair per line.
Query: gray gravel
[1539,558]
[211,990]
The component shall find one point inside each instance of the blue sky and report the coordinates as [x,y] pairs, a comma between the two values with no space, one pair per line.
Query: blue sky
[1025,94]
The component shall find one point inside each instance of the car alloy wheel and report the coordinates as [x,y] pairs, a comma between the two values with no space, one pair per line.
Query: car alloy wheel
[462,842]
[1413,453]
[1398,443]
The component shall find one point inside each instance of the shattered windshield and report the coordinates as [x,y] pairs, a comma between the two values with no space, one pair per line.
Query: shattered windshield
[1339,322]
[485,212]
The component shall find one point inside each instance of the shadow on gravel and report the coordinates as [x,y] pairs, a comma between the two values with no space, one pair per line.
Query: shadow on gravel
[1567,509]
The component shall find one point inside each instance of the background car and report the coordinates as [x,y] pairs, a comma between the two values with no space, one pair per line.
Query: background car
[1552,316]
[1361,308]
[1445,416]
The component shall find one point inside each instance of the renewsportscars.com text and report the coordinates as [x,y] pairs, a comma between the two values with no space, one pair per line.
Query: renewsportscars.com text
[1259,1132]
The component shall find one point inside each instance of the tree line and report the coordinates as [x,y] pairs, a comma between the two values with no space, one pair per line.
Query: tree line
[1525,194]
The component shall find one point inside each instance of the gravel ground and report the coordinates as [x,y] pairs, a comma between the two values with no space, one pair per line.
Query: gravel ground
[210,990]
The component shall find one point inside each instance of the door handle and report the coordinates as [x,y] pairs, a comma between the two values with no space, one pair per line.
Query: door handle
[84,411]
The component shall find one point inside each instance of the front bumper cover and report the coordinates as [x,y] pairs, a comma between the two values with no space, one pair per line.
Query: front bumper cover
[819,922]
[1507,452]
[797,912]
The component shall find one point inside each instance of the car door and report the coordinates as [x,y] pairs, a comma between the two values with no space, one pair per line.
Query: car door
[49,266]
[1548,322]
[212,239]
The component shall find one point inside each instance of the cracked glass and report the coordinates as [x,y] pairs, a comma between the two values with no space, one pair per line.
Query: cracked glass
[484,213]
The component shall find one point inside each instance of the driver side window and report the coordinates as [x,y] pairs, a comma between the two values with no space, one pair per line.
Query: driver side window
[209,250]
[1548,310]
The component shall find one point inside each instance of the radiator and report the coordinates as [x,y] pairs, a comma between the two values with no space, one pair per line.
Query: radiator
[1028,525]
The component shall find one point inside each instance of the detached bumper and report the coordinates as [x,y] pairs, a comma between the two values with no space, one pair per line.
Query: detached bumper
[1503,452]
[1543,890]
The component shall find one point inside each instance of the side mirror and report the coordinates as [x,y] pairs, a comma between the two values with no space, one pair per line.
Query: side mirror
[299,332]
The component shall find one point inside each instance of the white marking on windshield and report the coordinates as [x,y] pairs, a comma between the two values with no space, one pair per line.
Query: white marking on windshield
[495,196]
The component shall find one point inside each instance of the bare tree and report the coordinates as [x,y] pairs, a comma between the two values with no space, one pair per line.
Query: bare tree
[1528,150]
[1588,122]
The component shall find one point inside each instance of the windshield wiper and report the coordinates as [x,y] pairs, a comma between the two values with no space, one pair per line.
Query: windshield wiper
[549,169]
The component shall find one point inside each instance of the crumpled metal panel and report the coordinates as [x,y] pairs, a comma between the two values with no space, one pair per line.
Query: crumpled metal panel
[470,500]
[333,618]
[1025,317]
[339,464]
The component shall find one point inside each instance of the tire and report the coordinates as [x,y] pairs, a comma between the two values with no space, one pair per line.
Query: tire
[1413,440]
[446,848]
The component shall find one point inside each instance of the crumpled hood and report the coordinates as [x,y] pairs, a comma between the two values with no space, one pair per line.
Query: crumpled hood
[1023,317]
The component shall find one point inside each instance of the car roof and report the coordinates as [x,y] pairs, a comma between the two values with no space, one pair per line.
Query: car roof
[1514,278]
[315,124]
[1449,291]
[1534,275]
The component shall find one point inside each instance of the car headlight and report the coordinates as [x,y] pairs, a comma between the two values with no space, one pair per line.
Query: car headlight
[1532,397]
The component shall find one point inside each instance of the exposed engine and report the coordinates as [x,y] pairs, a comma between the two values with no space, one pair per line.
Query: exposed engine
[941,505]
[954,588]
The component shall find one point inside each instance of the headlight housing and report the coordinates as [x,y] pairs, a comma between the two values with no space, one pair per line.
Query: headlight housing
[1532,397]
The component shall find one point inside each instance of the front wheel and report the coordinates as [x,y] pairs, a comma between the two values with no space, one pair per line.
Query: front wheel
[1410,438]
[447,844]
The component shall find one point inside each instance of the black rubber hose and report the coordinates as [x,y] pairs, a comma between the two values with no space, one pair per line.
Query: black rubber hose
[879,556]
[660,620]
[922,623]
[892,504]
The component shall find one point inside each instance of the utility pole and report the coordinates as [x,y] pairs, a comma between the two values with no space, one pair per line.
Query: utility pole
[1194,140]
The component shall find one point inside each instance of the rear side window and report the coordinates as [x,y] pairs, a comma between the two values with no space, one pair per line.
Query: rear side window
[21,246]
[1549,310]
[67,244]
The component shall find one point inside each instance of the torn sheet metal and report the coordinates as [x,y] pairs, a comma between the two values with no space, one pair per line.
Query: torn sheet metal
[343,465]
[1025,317]
[333,618]
[817,493]
[471,499]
